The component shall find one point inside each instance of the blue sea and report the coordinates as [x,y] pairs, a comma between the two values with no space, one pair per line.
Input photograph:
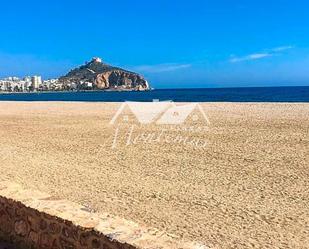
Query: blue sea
[250,94]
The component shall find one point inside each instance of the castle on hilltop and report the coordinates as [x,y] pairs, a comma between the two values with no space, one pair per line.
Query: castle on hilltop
[96,59]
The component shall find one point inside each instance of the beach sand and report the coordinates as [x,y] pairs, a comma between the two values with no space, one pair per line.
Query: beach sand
[247,188]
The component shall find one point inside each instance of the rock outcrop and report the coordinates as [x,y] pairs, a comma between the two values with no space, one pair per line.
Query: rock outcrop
[102,76]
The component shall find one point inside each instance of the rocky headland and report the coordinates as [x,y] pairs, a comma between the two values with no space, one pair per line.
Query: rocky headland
[97,75]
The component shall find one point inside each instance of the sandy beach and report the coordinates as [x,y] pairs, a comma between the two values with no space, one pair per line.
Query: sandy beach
[247,188]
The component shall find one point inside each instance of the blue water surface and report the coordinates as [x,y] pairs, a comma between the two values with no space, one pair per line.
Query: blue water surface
[250,94]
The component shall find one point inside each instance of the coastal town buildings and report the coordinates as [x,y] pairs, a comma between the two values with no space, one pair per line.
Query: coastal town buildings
[36,84]
[12,84]
[29,84]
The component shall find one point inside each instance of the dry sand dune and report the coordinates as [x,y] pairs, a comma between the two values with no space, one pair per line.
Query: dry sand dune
[248,188]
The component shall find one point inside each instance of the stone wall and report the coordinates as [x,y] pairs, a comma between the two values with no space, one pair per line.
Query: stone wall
[31,219]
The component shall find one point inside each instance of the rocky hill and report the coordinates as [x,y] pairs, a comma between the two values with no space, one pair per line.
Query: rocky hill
[101,76]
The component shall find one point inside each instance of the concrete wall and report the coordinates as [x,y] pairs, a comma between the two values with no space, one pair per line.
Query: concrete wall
[30,219]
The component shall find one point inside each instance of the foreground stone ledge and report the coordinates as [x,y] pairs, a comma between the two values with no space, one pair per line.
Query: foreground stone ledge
[31,219]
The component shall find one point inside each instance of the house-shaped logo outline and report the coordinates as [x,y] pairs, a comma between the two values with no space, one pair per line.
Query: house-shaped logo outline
[160,113]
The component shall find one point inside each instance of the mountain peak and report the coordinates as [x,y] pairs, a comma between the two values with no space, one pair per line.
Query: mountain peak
[103,76]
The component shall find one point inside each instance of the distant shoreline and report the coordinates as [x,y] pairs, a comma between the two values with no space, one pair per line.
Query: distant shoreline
[109,90]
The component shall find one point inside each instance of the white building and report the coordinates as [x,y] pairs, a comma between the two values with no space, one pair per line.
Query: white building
[27,79]
[36,82]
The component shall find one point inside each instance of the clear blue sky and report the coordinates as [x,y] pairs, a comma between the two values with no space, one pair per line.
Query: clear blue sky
[207,43]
